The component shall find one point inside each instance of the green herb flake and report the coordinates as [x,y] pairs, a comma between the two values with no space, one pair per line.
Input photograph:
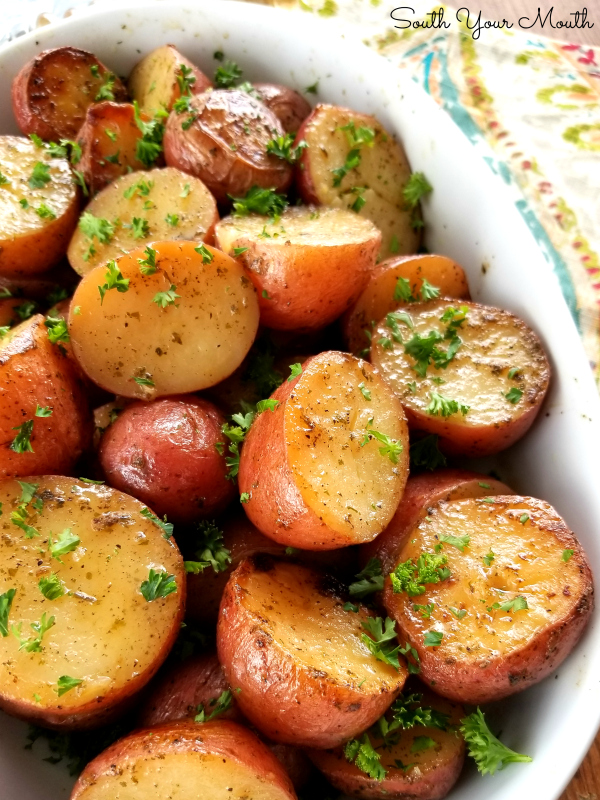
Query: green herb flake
[259,201]
[167,298]
[433,638]
[422,743]
[363,755]
[514,395]
[416,188]
[166,527]
[439,404]
[5,606]
[487,751]
[40,176]
[368,580]
[22,441]
[567,555]
[148,264]
[382,641]
[203,250]
[487,560]
[66,543]
[460,542]
[113,279]
[65,683]
[159,584]
[51,586]
[412,577]
[219,705]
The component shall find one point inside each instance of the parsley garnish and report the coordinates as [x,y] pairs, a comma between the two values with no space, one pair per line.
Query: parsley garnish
[295,371]
[460,542]
[237,251]
[488,752]
[259,201]
[362,754]
[523,518]
[65,683]
[282,148]
[382,642]
[432,638]
[105,92]
[113,280]
[424,611]
[236,435]
[185,79]
[425,453]
[407,712]
[142,188]
[164,299]
[95,228]
[166,527]
[440,404]
[391,447]
[5,606]
[148,264]
[140,228]
[219,704]
[487,560]
[45,212]
[516,604]
[26,309]
[57,333]
[149,147]
[22,441]
[40,176]
[4,180]
[39,628]
[567,555]
[51,586]
[227,75]
[211,550]
[66,543]
[411,578]
[144,381]
[514,395]
[416,188]
[203,250]
[172,219]
[159,584]
[458,613]
[368,580]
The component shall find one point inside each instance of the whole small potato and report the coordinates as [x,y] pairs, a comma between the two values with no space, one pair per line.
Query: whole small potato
[222,140]
[290,108]
[165,454]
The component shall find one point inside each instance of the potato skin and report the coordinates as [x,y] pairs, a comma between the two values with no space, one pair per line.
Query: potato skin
[219,737]
[288,701]
[216,148]
[290,108]
[35,372]
[165,454]
[422,492]
[476,680]
[51,93]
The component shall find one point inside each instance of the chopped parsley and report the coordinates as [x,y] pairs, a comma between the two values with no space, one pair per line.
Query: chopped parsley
[282,147]
[460,542]
[159,584]
[211,550]
[382,642]
[66,543]
[40,175]
[295,372]
[65,683]
[144,380]
[25,309]
[412,578]
[105,92]
[237,251]
[203,251]
[236,435]
[363,755]
[58,333]
[415,189]
[458,613]
[148,264]
[149,146]
[440,404]
[368,580]
[51,586]
[514,395]
[567,555]
[432,638]
[259,201]
[366,393]
[487,751]
[172,219]
[4,180]
[167,298]
[33,645]
[5,606]
[516,604]
[45,212]
[166,527]
[185,79]
[487,560]
[140,228]
[22,441]
[219,705]
[141,188]
[113,280]
[227,74]
[523,518]
[266,405]
[95,228]
[424,611]
[390,447]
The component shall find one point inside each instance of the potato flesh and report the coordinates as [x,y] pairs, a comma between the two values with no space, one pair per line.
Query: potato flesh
[18,157]
[196,212]
[153,82]
[351,486]
[310,626]
[527,562]
[101,632]
[182,776]
[494,342]
[383,171]
[180,348]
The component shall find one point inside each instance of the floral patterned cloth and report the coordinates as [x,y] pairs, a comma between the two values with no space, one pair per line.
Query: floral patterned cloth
[530,105]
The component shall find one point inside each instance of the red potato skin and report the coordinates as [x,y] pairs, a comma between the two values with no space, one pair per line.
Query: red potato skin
[433,785]
[8,315]
[421,492]
[38,287]
[164,454]
[33,94]
[286,701]
[35,372]
[221,737]
[290,108]
[512,673]
[204,148]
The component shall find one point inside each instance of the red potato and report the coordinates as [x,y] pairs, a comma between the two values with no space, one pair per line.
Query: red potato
[304,673]
[378,178]
[225,144]
[36,374]
[178,691]
[80,559]
[421,493]
[108,139]
[243,540]
[421,763]
[184,760]
[492,387]
[166,454]
[154,82]
[381,294]
[290,108]
[291,457]
[307,267]
[43,287]
[52,92]
[515,600]
[39,207]
[10,308]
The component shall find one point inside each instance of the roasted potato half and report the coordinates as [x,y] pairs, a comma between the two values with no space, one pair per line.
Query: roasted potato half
[52,92]
[290,108]
[161,204]
[93,597]
[327,466]
[219,760]
[222,140]
[422,762]
[474,375]
[367,173]
[307,267]
[170,454]
[508,592]
[422,492]
[45,419]
[155,80]
[295,658]
[39,206]
[184,325]
[393,280]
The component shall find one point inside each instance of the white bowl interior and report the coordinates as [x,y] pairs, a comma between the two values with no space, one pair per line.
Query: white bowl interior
[469,217]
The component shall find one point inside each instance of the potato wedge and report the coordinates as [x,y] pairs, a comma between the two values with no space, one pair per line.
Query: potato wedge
[219,760]
[305,675]
[79,559]
[492,387]
[378,179]
[154,81]
[317,478]
[421,493]
[222,140]
[45,419]
[182,687]
[420,763]
[170,454]
[167,204]
[52,92]
[108,139]
[384,292]
[140,341]
[39,206]
[290,108]
[516,597]
[307,267]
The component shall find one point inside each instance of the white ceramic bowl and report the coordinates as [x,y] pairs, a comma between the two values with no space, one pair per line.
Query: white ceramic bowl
[469,217]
